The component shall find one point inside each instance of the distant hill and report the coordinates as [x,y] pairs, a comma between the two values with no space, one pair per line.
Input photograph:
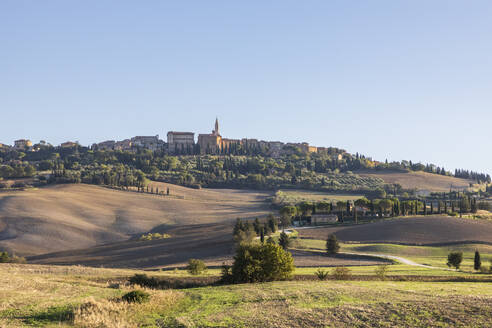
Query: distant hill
[64,217]
[418,180]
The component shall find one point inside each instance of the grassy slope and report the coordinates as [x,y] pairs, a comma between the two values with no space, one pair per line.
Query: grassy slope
[50,296]
[419,180]
[74,216]
[428,255]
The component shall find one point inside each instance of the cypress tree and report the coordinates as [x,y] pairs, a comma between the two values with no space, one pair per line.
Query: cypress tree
[477,262]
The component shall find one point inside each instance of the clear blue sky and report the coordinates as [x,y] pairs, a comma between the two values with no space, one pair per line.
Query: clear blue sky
[390,79]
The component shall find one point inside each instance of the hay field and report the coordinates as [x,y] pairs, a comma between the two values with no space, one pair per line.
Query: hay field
[419,180]
[63,217]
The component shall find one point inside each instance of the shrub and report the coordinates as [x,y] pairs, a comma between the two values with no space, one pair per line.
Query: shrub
[226,273]
[19,185]
[453,214]
[381,271]
[136,296]
[341,273]
[455,259]
[196,267]
[321,274]
[154,236]
[332,245]
[263,262]
[6,258]
[143,280]
[484,269]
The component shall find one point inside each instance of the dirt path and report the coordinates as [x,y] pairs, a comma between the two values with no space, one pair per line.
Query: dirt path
[400,259]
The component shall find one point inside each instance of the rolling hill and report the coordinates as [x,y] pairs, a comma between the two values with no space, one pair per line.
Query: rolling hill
[65,217]
[419,180]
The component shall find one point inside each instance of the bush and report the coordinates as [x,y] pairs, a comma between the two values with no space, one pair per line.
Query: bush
[453,214]
[484,269]
[19,185]
[332,245]
[341,273]
[196,267]
[143,280]
[455,259]
[154,236]
[6,258]
[321,274]
[381,271]
[263,262]
[226,274]
[136,296]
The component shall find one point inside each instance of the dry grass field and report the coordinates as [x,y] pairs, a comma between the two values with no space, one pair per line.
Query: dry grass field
[51,296]
[64,217]
[420,180]
[430,230]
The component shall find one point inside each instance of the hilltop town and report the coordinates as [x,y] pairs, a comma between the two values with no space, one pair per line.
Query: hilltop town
[183,143]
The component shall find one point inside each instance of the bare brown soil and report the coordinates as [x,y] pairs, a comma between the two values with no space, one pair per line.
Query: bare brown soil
[64,217]
[431,230]
[419,180]
[210,242]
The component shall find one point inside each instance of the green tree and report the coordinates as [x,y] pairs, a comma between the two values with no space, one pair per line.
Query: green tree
[196,267]
[284,240]
[286,213]
[261,262]
[477,263]
[455,259]
[385,205]
[272,223]
[332,245]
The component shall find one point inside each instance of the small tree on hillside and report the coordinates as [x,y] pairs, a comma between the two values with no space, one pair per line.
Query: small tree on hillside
[332,245]
[455,259]
[477,261]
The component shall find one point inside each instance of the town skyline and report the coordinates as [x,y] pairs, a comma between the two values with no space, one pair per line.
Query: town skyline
[385,80]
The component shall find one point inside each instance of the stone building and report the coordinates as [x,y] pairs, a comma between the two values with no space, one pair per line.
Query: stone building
[123,145]
[210,143]
[69,144]
[180,142]
[148,142]
[22,144]
[105,145]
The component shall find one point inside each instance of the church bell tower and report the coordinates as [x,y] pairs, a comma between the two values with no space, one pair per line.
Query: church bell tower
[216,131]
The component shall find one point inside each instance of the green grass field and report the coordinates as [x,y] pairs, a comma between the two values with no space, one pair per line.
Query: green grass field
[49,296]
[428,255]
[75,296]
